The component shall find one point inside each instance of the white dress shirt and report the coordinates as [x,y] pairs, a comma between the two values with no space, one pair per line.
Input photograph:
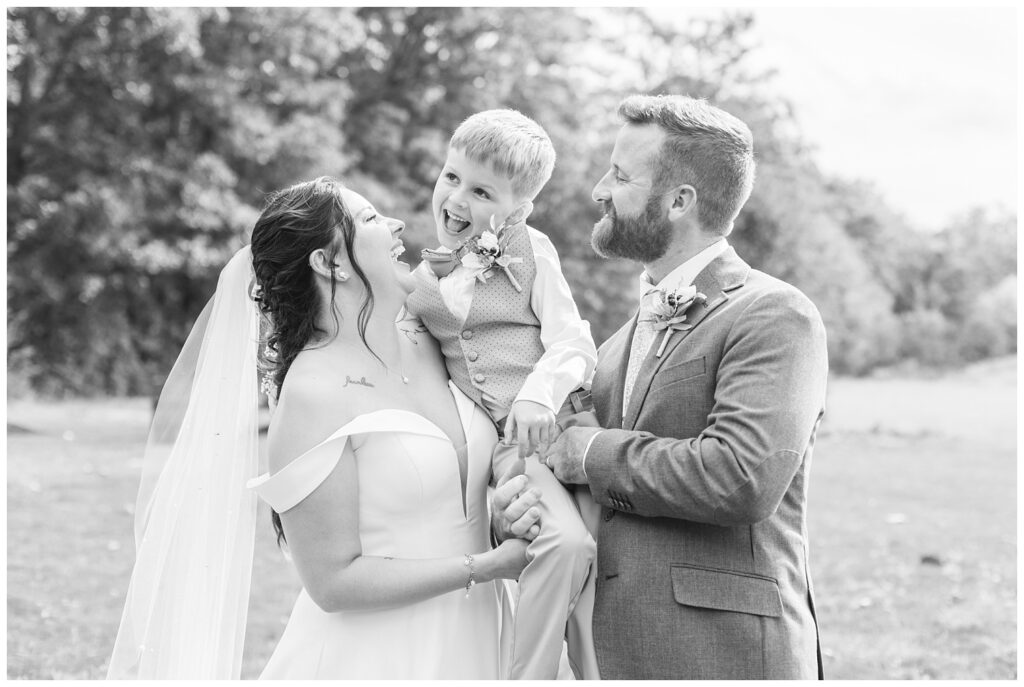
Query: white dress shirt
[686,273]
[569,351]
[681,277]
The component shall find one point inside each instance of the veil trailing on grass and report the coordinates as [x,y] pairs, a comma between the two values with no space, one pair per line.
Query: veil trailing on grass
[195,520]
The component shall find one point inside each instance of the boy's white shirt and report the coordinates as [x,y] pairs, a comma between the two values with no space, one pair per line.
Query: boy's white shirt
[569,351]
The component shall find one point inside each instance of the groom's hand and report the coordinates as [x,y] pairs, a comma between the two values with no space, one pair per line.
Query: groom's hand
[513,506]
[565,455]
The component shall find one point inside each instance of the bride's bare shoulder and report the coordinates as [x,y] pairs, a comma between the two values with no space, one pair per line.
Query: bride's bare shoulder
[314,402]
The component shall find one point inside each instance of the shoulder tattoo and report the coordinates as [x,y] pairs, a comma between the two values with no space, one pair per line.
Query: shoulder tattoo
[411,332]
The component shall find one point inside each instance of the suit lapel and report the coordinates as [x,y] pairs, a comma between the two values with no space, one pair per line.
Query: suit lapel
[611,374]
[725,273]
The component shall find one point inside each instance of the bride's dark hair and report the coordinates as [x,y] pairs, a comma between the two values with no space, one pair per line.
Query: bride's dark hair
[295,222]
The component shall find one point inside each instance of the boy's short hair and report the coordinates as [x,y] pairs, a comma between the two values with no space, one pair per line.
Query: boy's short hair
[512,144]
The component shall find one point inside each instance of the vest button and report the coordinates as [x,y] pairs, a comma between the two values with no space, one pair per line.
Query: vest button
[472,355]
[468,334]
[479,378]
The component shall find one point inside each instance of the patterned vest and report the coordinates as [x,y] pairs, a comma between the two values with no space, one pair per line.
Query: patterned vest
[490,356]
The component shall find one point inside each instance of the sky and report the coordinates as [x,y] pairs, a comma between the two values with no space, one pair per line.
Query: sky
[920,101]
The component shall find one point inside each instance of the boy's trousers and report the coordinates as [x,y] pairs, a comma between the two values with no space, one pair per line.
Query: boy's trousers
[555,594]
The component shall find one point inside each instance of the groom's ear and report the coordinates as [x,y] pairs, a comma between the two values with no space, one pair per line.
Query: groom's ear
[684,202]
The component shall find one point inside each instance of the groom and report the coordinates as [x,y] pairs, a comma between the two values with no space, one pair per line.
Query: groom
[709,401]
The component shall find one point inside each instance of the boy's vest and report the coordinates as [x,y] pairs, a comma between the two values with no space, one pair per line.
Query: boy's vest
[494,351]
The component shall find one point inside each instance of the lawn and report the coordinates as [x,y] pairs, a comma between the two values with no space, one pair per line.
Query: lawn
[912,523]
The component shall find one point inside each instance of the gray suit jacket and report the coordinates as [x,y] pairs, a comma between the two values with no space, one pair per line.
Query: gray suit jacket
[703,552]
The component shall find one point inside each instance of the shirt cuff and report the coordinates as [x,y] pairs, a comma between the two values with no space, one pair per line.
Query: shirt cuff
[537,395]
[583,463]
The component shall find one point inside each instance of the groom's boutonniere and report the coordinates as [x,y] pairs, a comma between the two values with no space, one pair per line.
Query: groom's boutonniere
[485,252]
[669,310]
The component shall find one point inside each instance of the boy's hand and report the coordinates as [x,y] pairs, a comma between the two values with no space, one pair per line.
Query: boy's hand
[531,425]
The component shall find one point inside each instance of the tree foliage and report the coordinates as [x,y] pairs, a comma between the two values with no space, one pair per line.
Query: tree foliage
[142,141]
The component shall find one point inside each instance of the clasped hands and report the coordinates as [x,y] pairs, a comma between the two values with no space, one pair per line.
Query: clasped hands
[532,425]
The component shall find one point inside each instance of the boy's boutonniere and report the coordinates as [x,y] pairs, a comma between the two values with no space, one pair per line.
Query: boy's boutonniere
[669,310]
[485,251]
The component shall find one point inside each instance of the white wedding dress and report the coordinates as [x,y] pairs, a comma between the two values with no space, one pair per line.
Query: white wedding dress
[410,506]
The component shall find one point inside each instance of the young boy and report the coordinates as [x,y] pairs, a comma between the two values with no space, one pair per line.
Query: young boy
[494,296]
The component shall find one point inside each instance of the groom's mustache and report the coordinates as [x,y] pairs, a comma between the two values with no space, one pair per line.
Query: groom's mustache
[607,208]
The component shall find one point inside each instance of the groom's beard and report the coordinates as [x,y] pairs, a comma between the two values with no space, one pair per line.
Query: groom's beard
[643,238]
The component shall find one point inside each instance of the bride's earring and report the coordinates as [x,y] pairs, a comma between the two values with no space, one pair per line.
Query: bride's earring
[338,274]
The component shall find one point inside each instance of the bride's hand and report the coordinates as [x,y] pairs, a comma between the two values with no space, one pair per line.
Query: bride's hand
[505,562]
[512,505]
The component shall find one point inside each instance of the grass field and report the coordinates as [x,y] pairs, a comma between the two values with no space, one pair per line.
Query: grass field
[912,520]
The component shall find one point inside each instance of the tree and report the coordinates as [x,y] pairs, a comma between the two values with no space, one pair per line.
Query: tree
[132,176]
[142,141]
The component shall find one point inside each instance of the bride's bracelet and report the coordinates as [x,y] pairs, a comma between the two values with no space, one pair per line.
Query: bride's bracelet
[472,573]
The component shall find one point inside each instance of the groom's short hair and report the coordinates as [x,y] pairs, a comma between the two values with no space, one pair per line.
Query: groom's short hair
[512,144]
[705,147]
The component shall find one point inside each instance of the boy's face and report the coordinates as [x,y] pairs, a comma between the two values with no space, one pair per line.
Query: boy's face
[466,195]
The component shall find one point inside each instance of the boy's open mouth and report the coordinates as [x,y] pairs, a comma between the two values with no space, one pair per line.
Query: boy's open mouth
[454,224]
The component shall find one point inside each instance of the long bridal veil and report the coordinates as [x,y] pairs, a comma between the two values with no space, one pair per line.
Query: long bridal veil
[185,613]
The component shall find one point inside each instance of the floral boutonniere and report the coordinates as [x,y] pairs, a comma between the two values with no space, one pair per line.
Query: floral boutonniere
[485,252]
[670,309]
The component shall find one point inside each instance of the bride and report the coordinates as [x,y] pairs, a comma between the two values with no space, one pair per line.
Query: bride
[378,470]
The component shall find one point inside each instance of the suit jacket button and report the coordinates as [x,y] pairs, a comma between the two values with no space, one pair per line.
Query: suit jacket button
[468,334]
[609,515]
[472,355]
[479,378]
